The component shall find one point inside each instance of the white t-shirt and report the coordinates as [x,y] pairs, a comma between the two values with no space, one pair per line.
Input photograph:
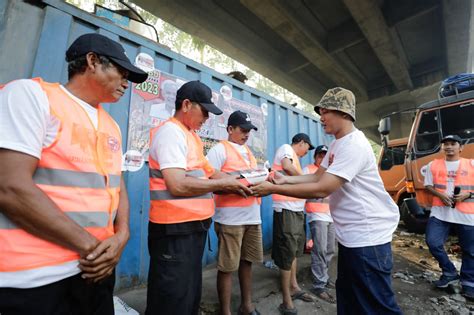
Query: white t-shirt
[169,147]
[316,216]
[233,215]
[446,213]
[363,212]
[26,126]
[286,151]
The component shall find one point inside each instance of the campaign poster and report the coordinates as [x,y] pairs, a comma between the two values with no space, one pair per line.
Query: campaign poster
[153,102]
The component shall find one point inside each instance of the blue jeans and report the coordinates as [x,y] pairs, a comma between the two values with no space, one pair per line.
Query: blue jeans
[364,284]
[437,232]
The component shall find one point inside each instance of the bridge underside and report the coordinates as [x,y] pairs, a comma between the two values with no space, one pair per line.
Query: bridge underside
[391,53]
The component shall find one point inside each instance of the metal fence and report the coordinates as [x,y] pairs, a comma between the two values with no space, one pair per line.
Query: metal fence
[33,40]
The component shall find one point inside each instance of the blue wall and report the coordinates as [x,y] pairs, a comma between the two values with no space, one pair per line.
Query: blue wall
[33,41]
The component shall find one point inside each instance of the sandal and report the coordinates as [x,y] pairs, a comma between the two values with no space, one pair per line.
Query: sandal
[324,295]
[287,311]
[302,295]
[330,285]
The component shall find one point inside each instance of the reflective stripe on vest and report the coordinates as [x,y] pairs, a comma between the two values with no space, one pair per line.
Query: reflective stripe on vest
[165,194]
[320,205]
[83,218]
[80,172]
[464,179]
[166,208]
[56,177]
[233,165]
[279,168]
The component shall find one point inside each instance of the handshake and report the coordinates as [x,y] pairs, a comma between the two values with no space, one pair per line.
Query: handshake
[253,183]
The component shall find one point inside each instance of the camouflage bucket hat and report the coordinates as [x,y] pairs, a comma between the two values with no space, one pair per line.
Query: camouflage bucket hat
[339,99]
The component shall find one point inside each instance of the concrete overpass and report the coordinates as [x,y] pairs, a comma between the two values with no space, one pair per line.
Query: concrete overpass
[391,53]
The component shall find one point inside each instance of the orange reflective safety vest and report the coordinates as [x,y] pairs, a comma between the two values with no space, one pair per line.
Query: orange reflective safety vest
[80,172]
[166,208]
[279,168]
[320,205]
[464,179]
[235,163]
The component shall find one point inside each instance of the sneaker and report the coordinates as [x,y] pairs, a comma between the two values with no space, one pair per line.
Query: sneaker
[445,281]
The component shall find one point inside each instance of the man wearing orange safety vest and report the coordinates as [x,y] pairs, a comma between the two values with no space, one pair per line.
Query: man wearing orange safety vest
[288,222]
[237,219]
[323,235]
[181,203]
[451,181]
[63,203]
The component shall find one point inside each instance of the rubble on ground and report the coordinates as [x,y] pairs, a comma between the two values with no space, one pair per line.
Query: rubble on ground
[413,247]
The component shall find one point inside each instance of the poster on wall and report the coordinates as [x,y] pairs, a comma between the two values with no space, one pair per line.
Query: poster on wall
[153,102]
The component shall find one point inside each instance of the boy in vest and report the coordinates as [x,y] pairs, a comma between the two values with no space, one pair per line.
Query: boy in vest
[288,223]
[364,214]
[63,203]
[322,233]
[237,219]
[452,209]
[181,203]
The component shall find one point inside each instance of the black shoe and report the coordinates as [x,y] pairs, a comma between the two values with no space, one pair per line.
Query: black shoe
[445,281]
[468,293]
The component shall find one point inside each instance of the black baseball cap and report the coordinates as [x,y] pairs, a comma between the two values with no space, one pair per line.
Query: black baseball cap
[302,136]
[197,92]
[321,148]
[107,47]
[241,119]
[452,138]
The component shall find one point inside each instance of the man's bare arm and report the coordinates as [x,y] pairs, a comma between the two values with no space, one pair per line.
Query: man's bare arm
[448,201]
[308,178]
[101,262]
[289,168]
[27,206]
[186,186]
[327,184]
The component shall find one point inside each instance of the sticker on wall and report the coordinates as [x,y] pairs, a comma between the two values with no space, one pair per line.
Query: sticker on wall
[226,92]
[145,62]
[133,160]
[264,109]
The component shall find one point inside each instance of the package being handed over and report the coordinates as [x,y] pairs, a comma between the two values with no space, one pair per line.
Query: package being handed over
[256,176]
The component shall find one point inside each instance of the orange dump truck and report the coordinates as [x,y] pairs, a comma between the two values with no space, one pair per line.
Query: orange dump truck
[432,121]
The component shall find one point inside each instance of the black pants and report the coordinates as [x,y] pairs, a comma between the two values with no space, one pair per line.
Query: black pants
[175,275]
[70,296]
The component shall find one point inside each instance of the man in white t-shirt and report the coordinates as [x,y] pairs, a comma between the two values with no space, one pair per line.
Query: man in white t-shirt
[63,203]
[237,219]
[323,235]
[364,214]
[288,222]
[452,209]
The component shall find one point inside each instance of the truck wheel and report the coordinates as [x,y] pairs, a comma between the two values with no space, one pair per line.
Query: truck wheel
[412,223]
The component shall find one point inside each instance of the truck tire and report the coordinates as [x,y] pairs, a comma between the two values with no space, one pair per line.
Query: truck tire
[414,224]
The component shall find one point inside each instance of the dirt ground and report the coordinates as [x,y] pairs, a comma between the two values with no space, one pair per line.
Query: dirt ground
[414,270]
